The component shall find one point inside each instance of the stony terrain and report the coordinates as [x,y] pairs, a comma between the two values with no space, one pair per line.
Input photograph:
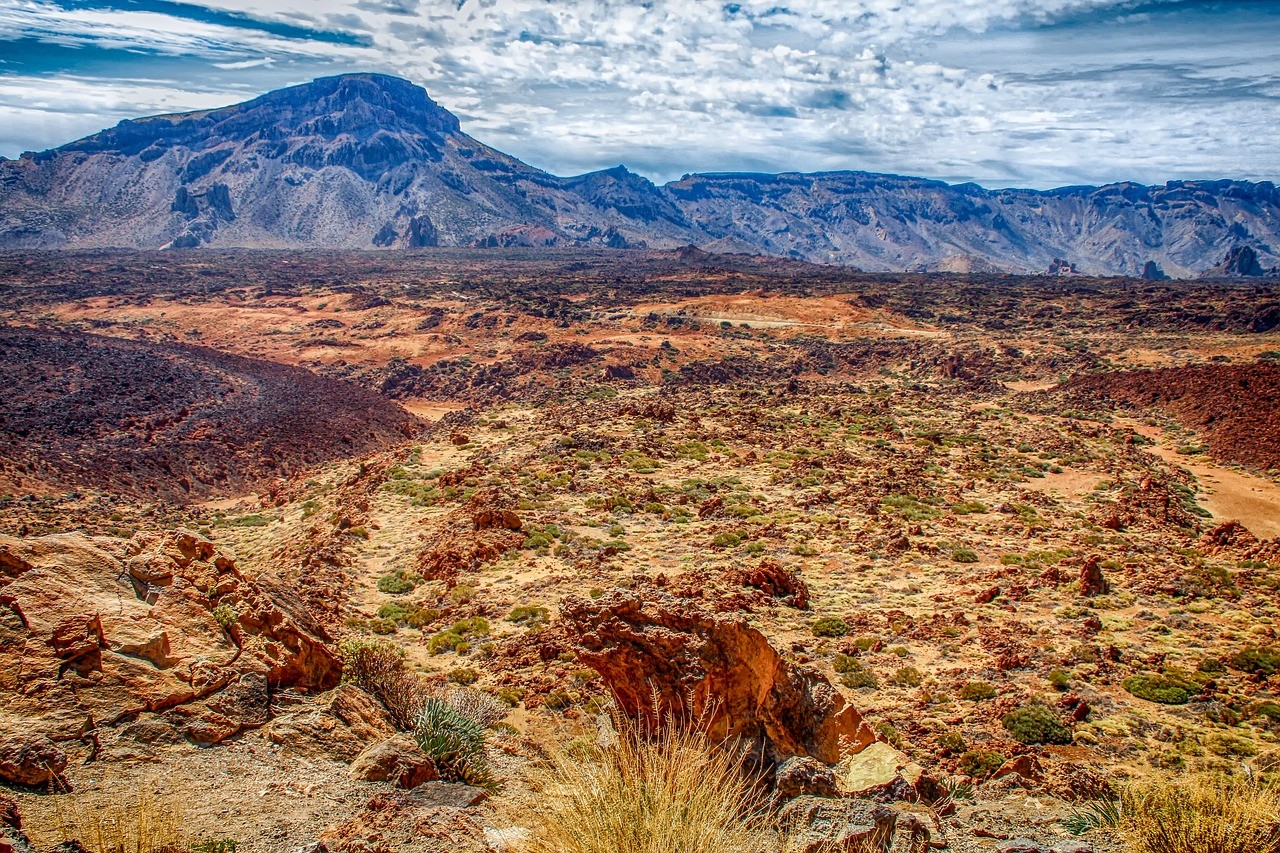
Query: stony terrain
[369,161]
[953,555]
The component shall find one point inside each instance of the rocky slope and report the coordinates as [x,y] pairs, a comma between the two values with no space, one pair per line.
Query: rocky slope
[370,161]
[172,421]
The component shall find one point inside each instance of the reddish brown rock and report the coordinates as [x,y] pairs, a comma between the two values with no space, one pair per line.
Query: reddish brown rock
[27,759]
[775,581]
[987,595]
[96,644]
[663,648]
[397,760]
[1091,580]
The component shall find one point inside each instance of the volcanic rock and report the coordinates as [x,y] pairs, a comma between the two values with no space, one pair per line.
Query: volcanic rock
[397,760]
[98,647]
[1091,580]
[659,647]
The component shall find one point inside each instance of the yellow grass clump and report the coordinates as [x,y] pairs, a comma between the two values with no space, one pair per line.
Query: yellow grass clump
[137,822]
[1201,814]
[644,788]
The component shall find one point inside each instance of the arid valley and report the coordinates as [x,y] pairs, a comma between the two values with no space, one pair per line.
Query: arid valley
[953,557]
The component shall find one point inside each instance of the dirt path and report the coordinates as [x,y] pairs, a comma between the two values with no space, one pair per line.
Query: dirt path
[1225,492]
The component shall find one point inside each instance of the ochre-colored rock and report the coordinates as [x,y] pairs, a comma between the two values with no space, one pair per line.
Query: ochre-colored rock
[339,726]
[397,760]
[664,646]
[103,629]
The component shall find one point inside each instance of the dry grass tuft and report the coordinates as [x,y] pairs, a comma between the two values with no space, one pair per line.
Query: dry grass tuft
[141,822]
[644,788]
[1201,814]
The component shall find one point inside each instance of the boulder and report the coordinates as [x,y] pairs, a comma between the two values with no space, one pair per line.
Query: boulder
[338,725]
[30,760]
[822,825]
[1091,580]
[397,760]
[655,647]
[100,630]
[879,772]
[801,775]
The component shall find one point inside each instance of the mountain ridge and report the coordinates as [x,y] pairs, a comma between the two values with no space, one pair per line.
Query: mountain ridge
[371,161]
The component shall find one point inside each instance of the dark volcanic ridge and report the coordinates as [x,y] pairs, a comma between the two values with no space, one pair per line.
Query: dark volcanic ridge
[170,420]
[1234,408]
[370,161]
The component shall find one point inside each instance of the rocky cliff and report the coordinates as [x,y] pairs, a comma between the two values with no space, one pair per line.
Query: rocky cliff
[370,161]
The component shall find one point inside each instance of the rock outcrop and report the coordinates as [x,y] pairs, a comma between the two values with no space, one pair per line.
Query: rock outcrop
[659,647]
[99,632]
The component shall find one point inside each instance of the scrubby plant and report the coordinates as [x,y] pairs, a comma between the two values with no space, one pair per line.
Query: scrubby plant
[1201,814]
[1036,724]
[908,676]
[528,614]
[1059,680]
[964,555]
[829,626]
[980,763]
[1165,689]
[138,821]
[977,691]
[644,788]
[557,700]
[455,741]
[726,540]
[1257,660]
[225,615]
[463,675]
[458,637]
[399,582]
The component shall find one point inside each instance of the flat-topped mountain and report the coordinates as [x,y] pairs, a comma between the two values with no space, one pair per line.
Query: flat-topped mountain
[370,161]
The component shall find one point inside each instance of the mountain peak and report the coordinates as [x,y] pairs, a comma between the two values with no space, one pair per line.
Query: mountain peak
[361,100]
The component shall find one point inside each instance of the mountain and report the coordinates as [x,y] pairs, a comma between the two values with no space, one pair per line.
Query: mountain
[370,161]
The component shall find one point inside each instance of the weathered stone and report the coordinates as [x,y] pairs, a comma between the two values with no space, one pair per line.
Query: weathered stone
[1023,766]
[1020,845]
[339,726]
[879,771]
[454,795]
[1091,580]
[667,648]
[30,760]
[823,825]
[397,760]
[800,775]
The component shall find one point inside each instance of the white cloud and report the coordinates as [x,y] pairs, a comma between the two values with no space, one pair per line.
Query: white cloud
[960,89]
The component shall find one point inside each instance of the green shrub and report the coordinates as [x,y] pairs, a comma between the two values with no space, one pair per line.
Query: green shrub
[557,700]
[1164,689]
[968,507]
[845,663]
[829,626]
[908,676]
[1257,660]
[977,691]
[454,741]
[980,763]
[463,675]
[726,540]
[1036,724]
[398,582]
[964,555]
[529,614]
[1059,680]
[225,615]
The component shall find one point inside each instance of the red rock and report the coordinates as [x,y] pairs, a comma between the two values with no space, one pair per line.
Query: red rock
[988,595]
[1091,580]
[664,648]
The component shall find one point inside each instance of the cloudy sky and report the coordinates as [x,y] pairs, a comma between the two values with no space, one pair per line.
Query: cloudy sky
[1003,92]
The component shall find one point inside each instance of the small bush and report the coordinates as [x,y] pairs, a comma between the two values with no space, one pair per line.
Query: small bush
[557,700]
[1059,680]
[225,615]
[1036,724]
[1164,689]
[529,614]
[829,626]
[980,763]
[908,676]
[1257,660]
[977,691]
[463,675]
[964,555]
[726,540]
[454,741]
[398,582]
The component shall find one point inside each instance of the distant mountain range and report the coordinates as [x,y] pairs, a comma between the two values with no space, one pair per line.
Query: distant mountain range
[370,161]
